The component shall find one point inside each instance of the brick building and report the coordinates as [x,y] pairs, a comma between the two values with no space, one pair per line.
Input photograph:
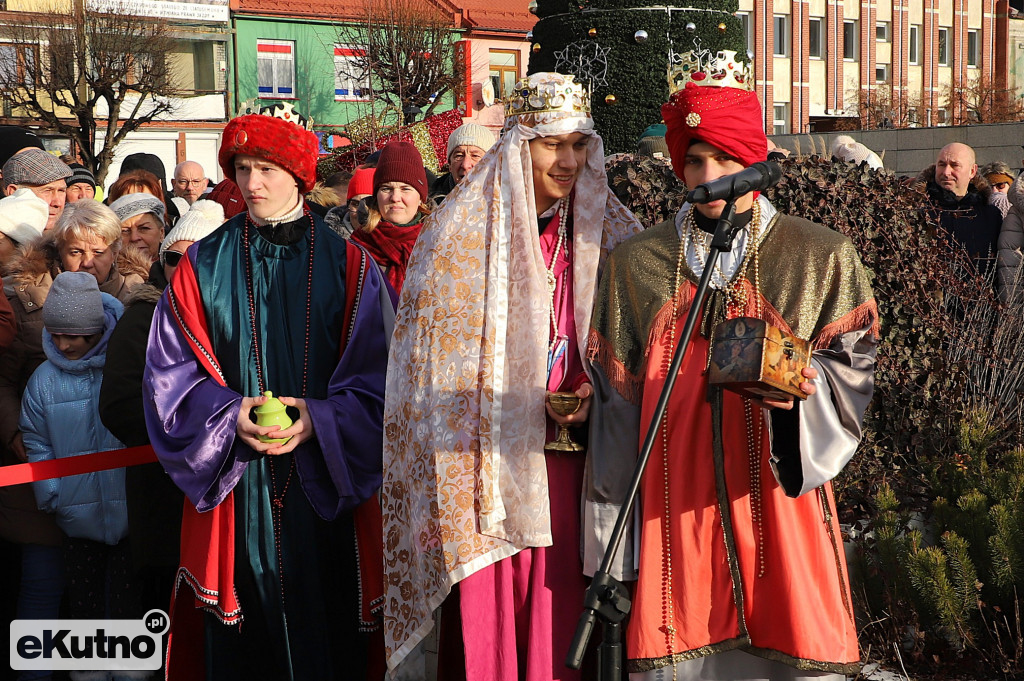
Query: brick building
[883,62]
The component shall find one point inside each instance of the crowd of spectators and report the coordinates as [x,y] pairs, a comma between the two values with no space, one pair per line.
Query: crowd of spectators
[85,269]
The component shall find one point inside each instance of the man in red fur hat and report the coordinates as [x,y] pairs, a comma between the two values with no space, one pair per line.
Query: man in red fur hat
[740,566]
[273,301]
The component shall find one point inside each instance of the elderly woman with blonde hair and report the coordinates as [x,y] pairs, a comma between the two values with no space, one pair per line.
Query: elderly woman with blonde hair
[87,238]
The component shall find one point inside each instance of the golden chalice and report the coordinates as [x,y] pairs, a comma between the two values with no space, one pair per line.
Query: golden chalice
[564,404]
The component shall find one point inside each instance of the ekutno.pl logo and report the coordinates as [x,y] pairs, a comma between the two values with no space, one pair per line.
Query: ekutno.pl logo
[102,645]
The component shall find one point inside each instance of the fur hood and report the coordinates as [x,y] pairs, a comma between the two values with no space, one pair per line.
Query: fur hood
[133,260]
[33,260]
[144,293]
[1016,193]
[927,176]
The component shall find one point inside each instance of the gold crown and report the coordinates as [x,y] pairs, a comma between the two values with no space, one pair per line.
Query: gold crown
[703,68]
[548,95]
[283,110]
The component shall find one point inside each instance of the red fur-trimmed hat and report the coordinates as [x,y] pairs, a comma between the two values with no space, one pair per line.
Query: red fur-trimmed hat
[725,117]
[277,134]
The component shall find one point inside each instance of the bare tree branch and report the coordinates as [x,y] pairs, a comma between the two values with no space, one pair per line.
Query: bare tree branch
[77,71]
[409,53]
[981,101]
[881,108]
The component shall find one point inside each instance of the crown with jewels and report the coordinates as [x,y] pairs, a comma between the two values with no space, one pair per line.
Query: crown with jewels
[283,110]
[548,96]
[702,67]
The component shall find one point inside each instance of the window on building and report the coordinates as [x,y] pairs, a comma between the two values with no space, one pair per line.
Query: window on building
[816,39]
[850,40]
[882,31]
[351,80]
[504,71]
[912,116]
[881,73]
[944,47]
[275,68]
[19,60]
[781,35]
[914,53]
[780,112]
[748,33]
[942,116]
[972,48]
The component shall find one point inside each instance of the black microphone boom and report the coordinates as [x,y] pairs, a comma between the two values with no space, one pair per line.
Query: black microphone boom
[756,178]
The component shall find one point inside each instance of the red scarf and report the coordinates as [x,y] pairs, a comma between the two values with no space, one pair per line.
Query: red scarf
[390,245]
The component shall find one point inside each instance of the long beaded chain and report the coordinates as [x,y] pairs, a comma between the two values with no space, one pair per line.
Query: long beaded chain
[277,500]
[754,461]
[735,292]
[667,610]
[736,299]
[550,278]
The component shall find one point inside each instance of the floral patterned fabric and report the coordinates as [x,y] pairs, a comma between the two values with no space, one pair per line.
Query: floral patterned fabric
[465,483]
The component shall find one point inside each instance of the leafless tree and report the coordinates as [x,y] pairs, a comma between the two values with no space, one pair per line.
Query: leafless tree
[407,53]
[981,100]
[880,107]
[82,73]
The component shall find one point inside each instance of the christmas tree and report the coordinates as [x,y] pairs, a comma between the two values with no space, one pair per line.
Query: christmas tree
[622,50]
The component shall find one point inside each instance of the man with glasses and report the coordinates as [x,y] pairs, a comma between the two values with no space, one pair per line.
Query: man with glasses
[189,181]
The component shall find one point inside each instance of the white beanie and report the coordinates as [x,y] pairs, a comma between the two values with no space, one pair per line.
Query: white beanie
[200,220]
[23,216]
[138,203]
[471,134]
[845,148]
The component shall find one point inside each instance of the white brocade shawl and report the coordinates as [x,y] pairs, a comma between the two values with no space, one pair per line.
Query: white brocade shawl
[465,482]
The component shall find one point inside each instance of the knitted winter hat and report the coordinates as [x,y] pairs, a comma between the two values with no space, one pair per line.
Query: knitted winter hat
[23,216]
[80,173]
[653,146]
[74,305]
[13,139]
[361,183]
[34,167]
[471,134]
[655,130]
[130,205]
[845,148]
[277,134]
[401,162]
[201,219]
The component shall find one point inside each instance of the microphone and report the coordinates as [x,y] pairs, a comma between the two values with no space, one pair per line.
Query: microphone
[756,178]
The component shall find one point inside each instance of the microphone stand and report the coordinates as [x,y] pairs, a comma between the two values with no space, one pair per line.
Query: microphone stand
[607,598]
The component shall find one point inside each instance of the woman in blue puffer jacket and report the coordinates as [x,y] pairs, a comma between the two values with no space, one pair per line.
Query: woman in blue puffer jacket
[60,419]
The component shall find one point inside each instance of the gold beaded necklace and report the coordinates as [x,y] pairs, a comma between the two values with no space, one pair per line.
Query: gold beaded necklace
[735,291]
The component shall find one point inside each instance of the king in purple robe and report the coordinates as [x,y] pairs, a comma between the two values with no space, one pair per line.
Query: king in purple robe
[272,301]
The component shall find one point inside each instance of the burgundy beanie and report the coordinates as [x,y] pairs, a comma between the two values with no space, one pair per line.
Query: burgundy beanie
[401,162]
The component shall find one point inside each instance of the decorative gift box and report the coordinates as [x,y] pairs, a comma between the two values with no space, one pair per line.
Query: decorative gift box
[758,360]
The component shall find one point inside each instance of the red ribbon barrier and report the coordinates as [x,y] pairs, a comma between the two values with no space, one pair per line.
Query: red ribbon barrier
[75,465]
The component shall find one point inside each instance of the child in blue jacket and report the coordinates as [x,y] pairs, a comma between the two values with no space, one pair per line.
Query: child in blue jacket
[60,419]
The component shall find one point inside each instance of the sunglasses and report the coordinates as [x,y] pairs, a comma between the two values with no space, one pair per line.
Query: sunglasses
[172,258]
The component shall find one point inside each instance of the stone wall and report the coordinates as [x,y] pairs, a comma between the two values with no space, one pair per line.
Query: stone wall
[910,150]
